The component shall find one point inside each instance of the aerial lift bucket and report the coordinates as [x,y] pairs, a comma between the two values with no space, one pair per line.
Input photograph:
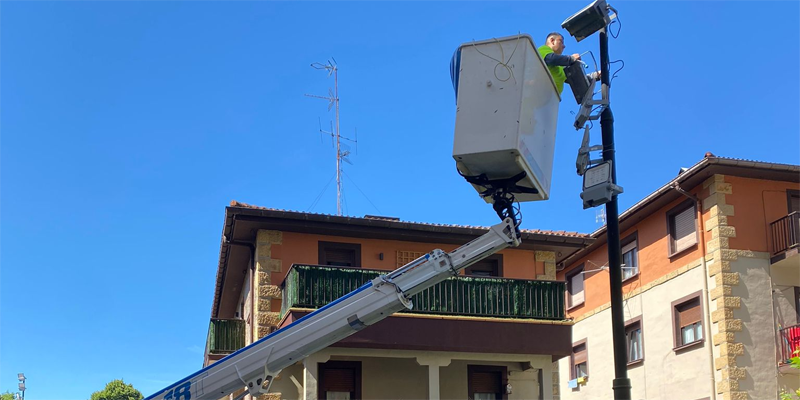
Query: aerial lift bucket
[507,109]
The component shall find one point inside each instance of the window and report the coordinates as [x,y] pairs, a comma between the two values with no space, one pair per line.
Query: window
[575,287]
[405,257]
[633,340]
[687,320]
[630,257]
[682,227]
[579,360]
[793,199]
[486,382]
[490,266]
[340,254]
[340,380]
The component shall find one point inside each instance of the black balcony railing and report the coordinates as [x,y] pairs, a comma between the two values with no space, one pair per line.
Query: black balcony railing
[790,342]
[225,335]
[308,286]
[785,233]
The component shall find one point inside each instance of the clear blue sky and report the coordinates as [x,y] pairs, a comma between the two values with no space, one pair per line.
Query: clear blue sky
[127,127]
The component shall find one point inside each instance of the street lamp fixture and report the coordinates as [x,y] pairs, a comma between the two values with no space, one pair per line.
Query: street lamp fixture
[21,378]
[599,186]
[591,19]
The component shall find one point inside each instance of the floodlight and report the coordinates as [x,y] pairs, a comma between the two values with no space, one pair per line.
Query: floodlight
[588,21]
[580,84]
[598,188]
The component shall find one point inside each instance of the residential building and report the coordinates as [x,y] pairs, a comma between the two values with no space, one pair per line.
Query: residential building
[492,333]
[711,284]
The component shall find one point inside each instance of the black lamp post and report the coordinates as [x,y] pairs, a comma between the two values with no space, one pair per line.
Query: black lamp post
[591,19]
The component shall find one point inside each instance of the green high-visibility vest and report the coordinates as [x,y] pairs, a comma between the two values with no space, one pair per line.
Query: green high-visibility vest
[557,71]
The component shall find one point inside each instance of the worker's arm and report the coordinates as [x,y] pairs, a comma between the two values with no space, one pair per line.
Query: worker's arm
[553,60]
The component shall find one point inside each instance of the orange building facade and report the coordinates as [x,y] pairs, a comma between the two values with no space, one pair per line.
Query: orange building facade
[711,287]
[494,332]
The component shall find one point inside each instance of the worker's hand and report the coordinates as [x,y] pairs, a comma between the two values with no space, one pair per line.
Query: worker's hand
[576,57]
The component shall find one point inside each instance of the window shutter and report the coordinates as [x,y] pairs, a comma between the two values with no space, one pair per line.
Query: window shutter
[794,203]
[339,380]
[576,289]
[689,313]
[341,257]
[684,229]
[580,355]
[485,382]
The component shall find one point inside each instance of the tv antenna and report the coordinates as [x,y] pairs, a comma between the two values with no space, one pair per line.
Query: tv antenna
[333,101]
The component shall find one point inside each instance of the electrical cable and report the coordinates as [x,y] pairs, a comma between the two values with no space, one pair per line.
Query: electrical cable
[319,196]
[503,57]
[362,192]
[619,28]
[614,75]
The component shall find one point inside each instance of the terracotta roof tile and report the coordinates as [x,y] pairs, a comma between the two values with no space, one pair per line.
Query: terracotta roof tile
[235,203]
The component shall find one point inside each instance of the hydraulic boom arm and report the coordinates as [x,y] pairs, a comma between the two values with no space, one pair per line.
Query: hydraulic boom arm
[254,366]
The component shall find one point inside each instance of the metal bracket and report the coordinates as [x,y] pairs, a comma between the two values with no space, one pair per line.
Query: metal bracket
[585,113]
[583,161]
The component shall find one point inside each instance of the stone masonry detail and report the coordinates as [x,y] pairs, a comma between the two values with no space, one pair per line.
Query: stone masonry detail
[549,260]
[723,305]
[266,292]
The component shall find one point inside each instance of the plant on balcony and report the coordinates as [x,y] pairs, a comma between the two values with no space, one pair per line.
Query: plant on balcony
[794,362]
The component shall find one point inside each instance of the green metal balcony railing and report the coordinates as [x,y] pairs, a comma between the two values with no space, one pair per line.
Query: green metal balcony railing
[225,336]
[309,286]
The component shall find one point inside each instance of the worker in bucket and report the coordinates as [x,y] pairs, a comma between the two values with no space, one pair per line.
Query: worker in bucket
[551,54]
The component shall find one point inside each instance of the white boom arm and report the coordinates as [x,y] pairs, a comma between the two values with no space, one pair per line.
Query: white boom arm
[254,366]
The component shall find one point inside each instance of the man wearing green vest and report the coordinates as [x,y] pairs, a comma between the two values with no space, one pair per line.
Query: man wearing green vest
[551,54]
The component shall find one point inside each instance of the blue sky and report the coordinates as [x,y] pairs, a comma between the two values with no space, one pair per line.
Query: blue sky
[127,127]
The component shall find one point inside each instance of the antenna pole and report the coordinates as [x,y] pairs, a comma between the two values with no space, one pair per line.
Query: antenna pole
[333,99]
[338,143]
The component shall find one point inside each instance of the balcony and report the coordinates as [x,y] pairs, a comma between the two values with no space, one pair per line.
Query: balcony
[225,336]
[785,237]
[789,338]
[311,287]
[460,314]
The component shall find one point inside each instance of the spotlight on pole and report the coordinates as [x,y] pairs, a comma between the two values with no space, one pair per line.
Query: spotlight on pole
[588,21]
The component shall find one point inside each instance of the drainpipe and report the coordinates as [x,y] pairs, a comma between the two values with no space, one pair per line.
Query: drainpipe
[706,306]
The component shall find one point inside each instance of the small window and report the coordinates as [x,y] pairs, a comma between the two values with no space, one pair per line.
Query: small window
[579,360]
[793,199]
[340,254]
[630,257]
[575,295]
[488,267]
[688,321]
[405,257]
[340,380]
[633,340]
[682,226]
[486,382]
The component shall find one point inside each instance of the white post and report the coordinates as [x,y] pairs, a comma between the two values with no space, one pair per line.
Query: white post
[311,375]
[433,364]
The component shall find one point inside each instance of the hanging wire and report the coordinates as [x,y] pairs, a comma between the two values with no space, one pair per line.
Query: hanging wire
[619,28]
[614,75]
[362,192]
[501,62]
[319,196]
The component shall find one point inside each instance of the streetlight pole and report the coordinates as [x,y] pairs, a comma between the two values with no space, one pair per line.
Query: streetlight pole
[21,378]
[621,384]
[591,19]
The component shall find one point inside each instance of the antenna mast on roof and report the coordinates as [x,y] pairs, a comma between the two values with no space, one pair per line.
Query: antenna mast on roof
[333,100]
